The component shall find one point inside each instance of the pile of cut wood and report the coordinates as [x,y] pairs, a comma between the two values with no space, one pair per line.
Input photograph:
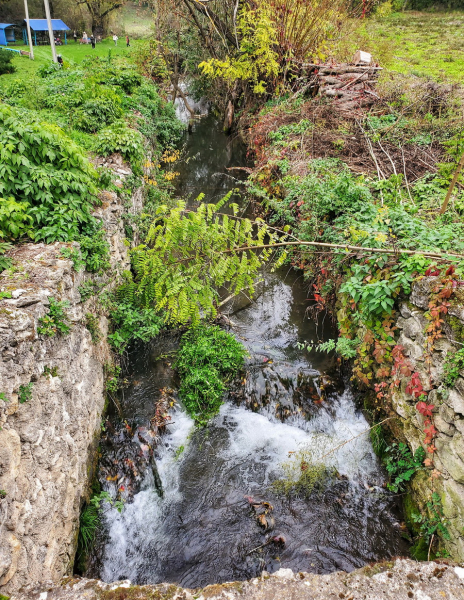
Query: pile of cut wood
[350,85]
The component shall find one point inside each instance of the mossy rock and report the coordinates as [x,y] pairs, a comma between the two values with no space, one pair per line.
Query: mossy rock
[420,550]
[456,326]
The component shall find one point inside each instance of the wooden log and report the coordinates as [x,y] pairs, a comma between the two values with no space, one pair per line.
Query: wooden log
[341,70]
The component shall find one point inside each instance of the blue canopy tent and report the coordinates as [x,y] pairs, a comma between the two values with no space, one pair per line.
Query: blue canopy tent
[39,26]
[6,34]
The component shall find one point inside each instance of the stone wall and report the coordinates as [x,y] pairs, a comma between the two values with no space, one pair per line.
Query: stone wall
[395,580]
[47,444]
[448,416]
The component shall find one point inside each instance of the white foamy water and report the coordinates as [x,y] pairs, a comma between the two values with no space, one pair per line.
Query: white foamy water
[200,107]
[139,533]
[127,530]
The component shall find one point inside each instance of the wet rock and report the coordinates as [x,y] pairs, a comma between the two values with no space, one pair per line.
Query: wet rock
[397,580]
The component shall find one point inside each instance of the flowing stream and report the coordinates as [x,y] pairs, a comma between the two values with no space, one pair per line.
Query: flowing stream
[196,510]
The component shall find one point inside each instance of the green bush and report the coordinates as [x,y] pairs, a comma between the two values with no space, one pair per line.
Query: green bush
[14,220]
[96,113]
[53,179]
[5,261]
[120,138]
[158,122]
[208,357]
[5,62]
[95,249]
[131,323]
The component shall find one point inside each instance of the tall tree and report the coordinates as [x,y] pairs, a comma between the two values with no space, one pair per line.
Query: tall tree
[99,11]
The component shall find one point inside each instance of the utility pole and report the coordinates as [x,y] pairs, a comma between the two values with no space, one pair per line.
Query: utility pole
[50,31]
[28,27]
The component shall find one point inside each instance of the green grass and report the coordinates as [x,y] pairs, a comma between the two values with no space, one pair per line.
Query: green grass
[136,21]
[414,43]
[72,52]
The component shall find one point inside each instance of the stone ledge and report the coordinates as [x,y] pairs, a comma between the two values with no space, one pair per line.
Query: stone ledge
[400,579]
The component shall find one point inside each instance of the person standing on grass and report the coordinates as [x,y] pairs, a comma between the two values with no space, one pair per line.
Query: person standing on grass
[115,39]
[75,36]
[84,38]
[127,41]
[92,41]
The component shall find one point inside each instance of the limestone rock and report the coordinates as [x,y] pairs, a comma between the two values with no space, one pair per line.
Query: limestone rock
[397,580]
[47,442]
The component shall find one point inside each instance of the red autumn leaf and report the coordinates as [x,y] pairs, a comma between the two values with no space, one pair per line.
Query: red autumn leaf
[430,431]
[414,387]
[425,409]
[432,272]
[428,462]
[446,292]
[450,270]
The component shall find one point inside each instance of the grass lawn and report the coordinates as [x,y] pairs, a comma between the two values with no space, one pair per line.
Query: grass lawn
[418,43]
[72,52]
[133,19]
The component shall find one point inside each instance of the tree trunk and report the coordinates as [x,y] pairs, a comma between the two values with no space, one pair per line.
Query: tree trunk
[98,26]
[229,117]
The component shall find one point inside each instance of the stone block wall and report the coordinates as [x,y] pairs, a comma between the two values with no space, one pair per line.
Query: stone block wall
[448,415]
[48,443]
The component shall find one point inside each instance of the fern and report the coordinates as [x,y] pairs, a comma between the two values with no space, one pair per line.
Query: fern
[189,255]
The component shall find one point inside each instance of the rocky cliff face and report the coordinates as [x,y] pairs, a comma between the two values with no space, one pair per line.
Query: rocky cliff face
[448,414]
[51,402]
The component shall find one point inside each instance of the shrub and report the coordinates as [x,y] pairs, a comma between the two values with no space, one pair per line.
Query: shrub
[14,220]
[5,62]
[132,322]
[158,122]
[453,365]
[120,138]
[5,261]
[95,249]
[208,357]
[97,113]
[53,180]
[56,320]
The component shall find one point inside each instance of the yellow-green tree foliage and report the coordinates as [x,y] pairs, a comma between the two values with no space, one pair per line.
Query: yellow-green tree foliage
[275,35]
[189,255]
[257,60]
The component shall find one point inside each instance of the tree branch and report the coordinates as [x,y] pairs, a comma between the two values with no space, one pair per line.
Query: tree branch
[218,22]
[114,7]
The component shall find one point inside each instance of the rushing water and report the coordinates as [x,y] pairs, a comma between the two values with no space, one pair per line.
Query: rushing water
[192,508]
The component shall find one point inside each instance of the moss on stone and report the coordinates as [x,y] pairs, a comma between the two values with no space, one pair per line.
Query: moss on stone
[137,592]
[2,597]
[216,589]
[456,326]
[381,567]
[420,550]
